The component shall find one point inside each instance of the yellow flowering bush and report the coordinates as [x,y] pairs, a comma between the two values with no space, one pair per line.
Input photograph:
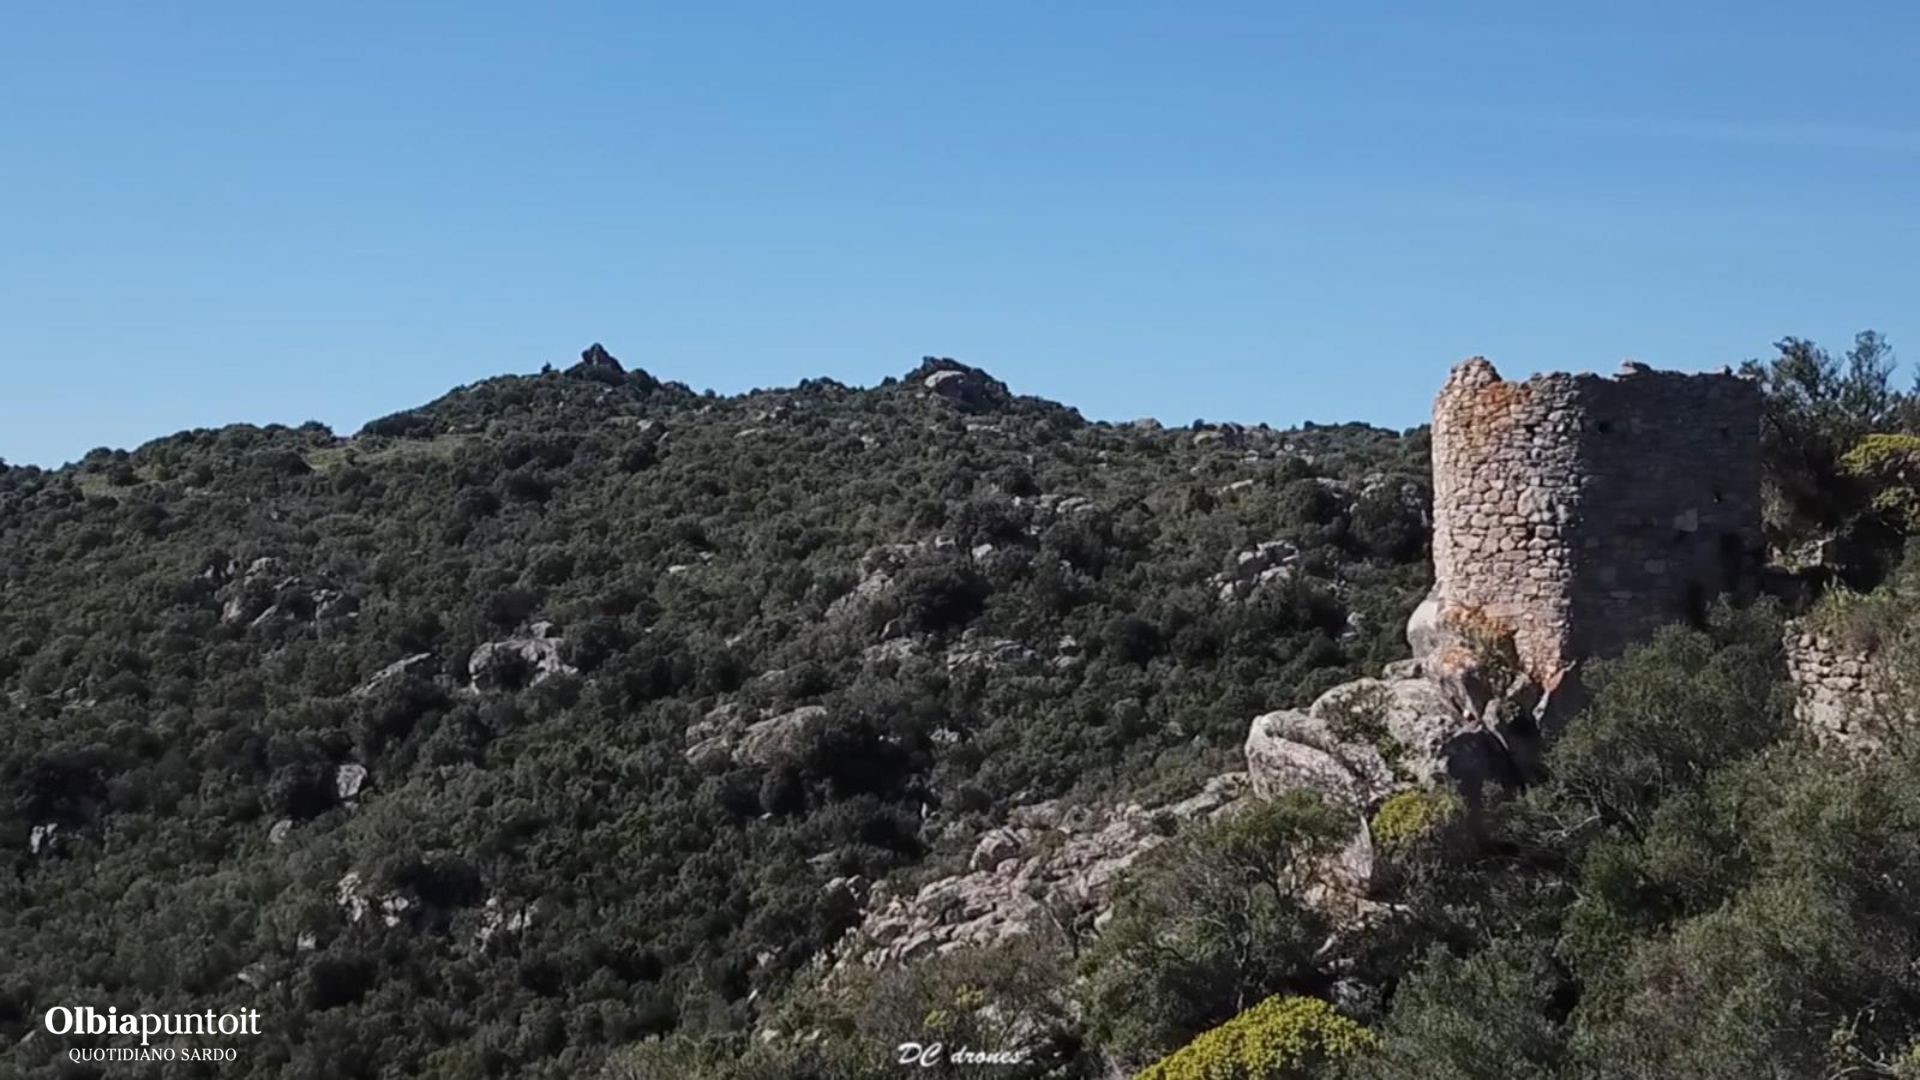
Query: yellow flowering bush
[1410,815]
[1281,1038]
[1890,464]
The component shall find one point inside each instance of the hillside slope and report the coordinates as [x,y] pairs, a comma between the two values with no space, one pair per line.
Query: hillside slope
[534,720]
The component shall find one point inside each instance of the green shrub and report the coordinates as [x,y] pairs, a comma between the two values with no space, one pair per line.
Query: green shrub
[1208,922]
[1876,622]
[1816,408]
[1490,1015]
[1670,711]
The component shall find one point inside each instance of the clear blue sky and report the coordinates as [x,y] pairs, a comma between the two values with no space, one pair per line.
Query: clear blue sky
[214,212]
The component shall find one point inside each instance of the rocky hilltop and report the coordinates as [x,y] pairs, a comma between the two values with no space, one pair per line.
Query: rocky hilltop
[611,707]
[581,723]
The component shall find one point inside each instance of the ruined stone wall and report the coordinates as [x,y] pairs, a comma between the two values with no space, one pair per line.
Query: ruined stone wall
[1841,694]
[1580,513]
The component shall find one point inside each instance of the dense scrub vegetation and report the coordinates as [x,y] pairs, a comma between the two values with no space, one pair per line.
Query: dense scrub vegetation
[991,600]
[1694,889]
[550,616]
[1696,892]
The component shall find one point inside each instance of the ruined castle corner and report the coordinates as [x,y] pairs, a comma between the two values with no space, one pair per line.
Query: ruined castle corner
[1578,513]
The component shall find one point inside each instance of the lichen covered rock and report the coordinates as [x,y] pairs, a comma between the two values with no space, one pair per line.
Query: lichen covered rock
[1290,750]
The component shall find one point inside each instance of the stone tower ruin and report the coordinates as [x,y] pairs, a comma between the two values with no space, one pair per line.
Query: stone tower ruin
[1577,514]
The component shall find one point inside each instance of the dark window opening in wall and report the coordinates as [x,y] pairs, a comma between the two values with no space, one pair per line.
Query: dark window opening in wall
[1733,561]
[1604,427]
[1726,434]
[1696,606]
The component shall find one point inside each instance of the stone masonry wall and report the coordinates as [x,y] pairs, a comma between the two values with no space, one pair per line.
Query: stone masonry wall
[1841,694]
[1581,513]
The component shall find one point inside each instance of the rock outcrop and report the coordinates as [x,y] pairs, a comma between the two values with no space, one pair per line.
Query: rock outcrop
[498,920]
[348,780]
[728,735]
[879,569]
[518,662]
[595,359]
[44,840]
[266,594]
[1419,726]
[1051,869]
[419,664]
[1291,750]
[1268,563]
[356,902]
[975,649]
[967,388]
[778,738]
